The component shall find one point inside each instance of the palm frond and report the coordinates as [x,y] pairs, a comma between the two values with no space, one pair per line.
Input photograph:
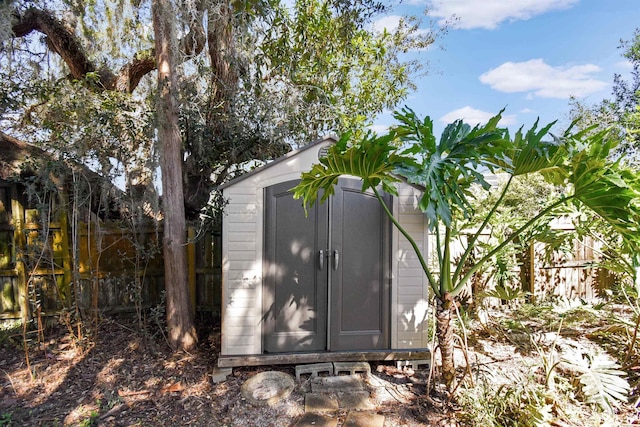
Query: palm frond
[612,192]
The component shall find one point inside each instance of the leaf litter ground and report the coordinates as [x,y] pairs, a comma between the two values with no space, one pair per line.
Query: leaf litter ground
[119,376]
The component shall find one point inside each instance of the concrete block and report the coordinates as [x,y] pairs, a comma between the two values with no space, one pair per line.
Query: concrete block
[351,367]
[363,419]
[316,420]
[345,383]
[414,364]
[314,369]
[220,374]
[358,400]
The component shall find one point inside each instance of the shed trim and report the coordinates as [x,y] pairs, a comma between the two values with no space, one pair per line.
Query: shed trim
[278,160]
[342,356]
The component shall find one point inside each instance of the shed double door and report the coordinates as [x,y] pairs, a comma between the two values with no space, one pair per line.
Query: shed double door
[326,275]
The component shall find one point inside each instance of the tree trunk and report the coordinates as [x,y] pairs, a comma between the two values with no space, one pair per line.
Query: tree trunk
[182,334]
[444,332]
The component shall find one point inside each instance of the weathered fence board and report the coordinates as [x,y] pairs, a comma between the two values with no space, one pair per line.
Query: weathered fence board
[117,269]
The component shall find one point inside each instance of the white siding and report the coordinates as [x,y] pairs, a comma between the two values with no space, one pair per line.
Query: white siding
[241,271]
[242,240]
[409,286]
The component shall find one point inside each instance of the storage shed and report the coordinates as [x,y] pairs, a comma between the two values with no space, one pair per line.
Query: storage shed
[337,284]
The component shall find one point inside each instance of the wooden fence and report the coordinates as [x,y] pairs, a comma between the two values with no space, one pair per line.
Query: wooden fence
[573,273]
[114,268]
[108,268]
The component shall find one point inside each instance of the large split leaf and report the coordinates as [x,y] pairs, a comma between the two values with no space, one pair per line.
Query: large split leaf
[450,168]
[603,382]
[372,159]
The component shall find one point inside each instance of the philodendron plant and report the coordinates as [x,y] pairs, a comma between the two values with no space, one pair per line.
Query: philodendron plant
[452,171]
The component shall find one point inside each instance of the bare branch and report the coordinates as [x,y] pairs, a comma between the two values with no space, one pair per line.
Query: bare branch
[59,39]
[64,42]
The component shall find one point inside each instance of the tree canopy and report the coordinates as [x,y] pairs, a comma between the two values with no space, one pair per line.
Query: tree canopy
[621,112]
[256,77]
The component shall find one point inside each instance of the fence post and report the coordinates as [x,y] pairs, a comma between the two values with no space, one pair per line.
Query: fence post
[20,242]
[532,271]
[191,265]
[65,287]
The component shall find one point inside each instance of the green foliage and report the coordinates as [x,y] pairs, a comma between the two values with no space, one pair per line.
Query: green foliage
[91,420]
[612,192]
[452,173]
[9,331]
[275,75]
[448,170]
[505,293]
[525,199]
[373,159]
[570,355]
[323,55]
[621,115]
[94,128]
[621,111]
[523,404]
[5,419]
[562,376]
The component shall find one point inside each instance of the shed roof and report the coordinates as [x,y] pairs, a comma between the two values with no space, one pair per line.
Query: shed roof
[19,159]
[287,156]
[13,154]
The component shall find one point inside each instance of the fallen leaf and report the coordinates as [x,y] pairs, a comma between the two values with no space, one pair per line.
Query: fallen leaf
[172,388]
[122,393]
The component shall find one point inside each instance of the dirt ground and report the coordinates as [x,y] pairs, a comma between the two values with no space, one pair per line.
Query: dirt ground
[119,376]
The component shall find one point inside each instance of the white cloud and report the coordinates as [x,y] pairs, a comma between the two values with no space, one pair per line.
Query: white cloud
[544,81]
[416,2]
[389,22]
[526,111]
[473,116]
[624,65]
[488,14]
[624,69]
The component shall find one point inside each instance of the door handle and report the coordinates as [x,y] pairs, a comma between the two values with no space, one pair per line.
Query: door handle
[336,259]
[320,259]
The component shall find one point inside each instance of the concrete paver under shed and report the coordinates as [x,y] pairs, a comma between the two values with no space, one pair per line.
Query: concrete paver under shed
[316,402]
[331,397]
[363,419]
[358,400]
[316,420]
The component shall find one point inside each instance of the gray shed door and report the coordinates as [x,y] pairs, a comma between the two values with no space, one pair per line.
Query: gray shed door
[326,281]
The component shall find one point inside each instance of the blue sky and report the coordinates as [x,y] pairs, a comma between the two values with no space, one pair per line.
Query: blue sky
[529,56]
